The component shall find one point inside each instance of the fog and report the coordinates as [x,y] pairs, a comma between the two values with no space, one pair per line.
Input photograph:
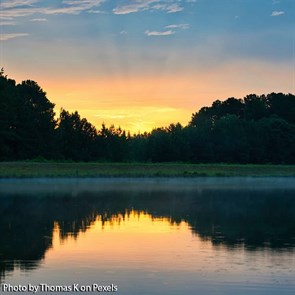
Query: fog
[78,185]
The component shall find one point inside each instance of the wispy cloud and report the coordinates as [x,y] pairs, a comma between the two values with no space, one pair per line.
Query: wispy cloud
[136,6]
[2,18]
[4,37]
[17,12]
[142,5]
[168,30]
[157,33]
[83,4]
[174,8]
[178,26]
[39,20]
[107,115]
[16,8]
[7,4]
[277,13]
[7,23]
[74,7]
[20,8]
[95,11]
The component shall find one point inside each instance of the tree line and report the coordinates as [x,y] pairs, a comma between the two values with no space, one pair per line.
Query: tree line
[255,129]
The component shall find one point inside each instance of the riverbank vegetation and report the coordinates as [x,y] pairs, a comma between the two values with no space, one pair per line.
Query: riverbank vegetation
[255,129]
[53,169]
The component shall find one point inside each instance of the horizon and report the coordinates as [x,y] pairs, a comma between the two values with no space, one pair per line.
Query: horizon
[148,63]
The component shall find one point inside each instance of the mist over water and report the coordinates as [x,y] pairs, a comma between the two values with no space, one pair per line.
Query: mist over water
[152,235]
[79,185]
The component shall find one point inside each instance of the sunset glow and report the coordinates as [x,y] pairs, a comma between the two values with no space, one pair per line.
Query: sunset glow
[148,63]
[114,240]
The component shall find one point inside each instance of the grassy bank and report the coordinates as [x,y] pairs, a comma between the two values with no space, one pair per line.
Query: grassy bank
[32,169]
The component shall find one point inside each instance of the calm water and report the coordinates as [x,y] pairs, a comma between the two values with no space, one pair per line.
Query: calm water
[149,236]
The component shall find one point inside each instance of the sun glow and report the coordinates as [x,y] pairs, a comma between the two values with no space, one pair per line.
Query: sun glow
[140,104]
[130,237]
[144,102]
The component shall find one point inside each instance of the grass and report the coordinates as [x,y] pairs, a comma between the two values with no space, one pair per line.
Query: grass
[49,169]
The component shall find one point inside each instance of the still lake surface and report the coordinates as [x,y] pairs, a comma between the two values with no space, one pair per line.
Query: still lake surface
[148,236]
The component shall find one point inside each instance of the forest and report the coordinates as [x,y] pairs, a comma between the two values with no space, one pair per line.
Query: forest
[257,129]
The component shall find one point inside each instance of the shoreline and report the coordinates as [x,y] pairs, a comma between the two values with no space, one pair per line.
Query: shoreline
[92,170]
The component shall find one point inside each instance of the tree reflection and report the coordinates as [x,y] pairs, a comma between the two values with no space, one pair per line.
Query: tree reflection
[232,218]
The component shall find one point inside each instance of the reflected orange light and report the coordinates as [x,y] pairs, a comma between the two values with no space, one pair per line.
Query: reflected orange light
[127,240]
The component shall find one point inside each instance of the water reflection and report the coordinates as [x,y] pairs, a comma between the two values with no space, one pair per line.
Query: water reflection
[157,226]
[124,241]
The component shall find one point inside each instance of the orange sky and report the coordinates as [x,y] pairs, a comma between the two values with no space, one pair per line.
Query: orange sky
[141,103]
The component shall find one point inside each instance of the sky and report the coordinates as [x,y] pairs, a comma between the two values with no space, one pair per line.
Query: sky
[142,64]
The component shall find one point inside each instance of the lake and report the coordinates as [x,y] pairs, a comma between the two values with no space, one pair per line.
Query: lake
[148,236]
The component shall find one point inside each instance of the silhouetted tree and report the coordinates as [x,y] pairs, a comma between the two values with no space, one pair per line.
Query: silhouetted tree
[9,99]
[76,136]
[137,147]
[113,144]
[277,141]
[230,140]
[26,119]
[281,105]
[255,107]
[36,121]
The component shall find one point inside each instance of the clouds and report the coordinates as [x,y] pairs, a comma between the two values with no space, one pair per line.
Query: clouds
[21,8]
[18,9]
[179,26]
[39,20]
[74,6]
[16,3]
[7,23]
[277,13]
[17,12]
[5,37]
[156,33]
[173,8]
[168,30]
[139,5]
[168,6]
